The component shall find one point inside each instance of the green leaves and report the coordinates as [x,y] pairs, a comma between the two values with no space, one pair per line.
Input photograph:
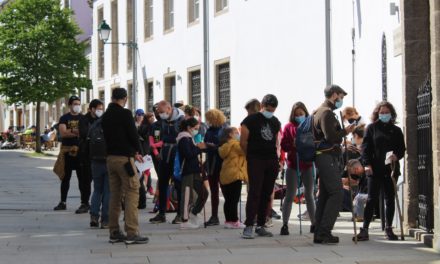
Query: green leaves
[41,60]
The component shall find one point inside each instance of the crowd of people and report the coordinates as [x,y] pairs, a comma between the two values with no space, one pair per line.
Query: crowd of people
[341,163]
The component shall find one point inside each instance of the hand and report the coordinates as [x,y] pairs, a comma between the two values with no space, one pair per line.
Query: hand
[393,158]
[139,158]
[368,170]
[201,145]
[353,148]
[75,131]
[211,145]
[350,128]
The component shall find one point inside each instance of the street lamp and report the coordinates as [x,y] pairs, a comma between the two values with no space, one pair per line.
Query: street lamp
[104,31]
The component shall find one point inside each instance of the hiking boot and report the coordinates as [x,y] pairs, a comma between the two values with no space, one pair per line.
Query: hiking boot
[82,209]
[117,237]
[327,240]
[177,220]
[363,235]
[262,232]
[137,239]
[159,218]
[275,215]
[213,221]
[248,232]
[60,206]
[94,223]
[284,230]
[389,234]
[312,229]
[104,225]
[188,225]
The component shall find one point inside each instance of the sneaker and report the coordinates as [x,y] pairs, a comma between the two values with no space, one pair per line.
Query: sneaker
[117,237]
[389,234]
[104,225]
[177,220]
[262,232]
[82,209]
[275,215]
[304,216]
[188,225]
[328,240]
[136,240]
[363,235]
[268,223]
[312,229]
[248,232]
[234,225]
[94,223]
[284,230]
[194,219]
[213,221]
[159,218]
[60,206]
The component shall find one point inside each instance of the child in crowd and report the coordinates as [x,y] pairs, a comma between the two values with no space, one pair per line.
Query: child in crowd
[233,172]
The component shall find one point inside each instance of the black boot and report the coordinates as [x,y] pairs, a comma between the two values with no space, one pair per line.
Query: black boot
[389,234]
[363,235]
[284,230]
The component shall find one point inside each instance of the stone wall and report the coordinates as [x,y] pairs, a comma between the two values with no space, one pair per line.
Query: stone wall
[435,82]
[416,66]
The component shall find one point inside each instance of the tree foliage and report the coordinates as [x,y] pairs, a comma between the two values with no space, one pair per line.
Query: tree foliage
[40,59]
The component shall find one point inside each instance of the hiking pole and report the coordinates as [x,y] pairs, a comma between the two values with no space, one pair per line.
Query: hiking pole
[298,190]
[393,167]
[204,189]
[349,183]
[283,175]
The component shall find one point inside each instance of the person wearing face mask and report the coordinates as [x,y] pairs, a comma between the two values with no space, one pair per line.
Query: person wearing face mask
[189,152]
[232,175]
[328,132]
[170,119]
[297,116]
[68,159]
[97,153]
[350,115]
[143,132]
[260,141]
[382,137]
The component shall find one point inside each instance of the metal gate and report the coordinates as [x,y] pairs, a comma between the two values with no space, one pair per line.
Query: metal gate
[424,155]
[224,89]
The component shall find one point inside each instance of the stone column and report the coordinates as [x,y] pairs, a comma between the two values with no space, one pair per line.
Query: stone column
[416,66]
[435,83]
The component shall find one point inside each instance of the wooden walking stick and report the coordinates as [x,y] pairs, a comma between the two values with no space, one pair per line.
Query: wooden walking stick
[349,183]
[393,169]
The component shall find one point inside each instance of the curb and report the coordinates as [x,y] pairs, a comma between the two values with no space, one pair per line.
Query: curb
[422,236]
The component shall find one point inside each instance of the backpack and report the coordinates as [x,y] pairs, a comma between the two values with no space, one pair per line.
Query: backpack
[178,168]
[97,146]
[305,140]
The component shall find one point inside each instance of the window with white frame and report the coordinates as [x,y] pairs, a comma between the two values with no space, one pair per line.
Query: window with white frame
[168,15]
[193,11]
[148,19]
[221,5]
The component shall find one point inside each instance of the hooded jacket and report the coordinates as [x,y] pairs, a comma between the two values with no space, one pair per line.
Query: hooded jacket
[288,146]
[188,154]
[234,166]
[169,129]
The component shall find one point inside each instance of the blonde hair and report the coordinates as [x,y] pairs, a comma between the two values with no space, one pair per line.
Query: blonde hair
[215,117]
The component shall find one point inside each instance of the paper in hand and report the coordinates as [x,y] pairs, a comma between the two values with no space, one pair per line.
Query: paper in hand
[388,157]
[146,165]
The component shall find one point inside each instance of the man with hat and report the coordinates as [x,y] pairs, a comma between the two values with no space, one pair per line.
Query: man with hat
[123,147]
[328,131]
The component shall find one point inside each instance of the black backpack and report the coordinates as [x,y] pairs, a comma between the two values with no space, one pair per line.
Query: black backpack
[97,146]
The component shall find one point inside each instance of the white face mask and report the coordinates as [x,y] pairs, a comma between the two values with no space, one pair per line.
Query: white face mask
[99,113]
[164,116]
[77,109]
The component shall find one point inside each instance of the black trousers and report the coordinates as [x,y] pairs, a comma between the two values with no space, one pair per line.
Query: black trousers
[85,181]
[231,193]
[166,170]
[374,184]
[71,164]
[262,175]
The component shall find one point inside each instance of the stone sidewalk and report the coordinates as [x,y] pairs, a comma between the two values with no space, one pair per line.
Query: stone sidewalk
[30,232]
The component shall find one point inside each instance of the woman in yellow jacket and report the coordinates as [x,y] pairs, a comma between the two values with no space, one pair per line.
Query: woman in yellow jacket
[233,172]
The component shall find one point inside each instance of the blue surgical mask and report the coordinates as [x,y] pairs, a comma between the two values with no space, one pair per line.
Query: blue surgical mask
[194,133]
[267,114]
[385,118]
[338,104]
[237,137]
[300,119]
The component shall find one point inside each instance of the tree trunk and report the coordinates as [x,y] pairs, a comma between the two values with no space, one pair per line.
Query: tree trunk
[37,131]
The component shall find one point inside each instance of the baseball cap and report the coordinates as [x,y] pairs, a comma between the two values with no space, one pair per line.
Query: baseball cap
[140,112]
[73,98]
[331,89]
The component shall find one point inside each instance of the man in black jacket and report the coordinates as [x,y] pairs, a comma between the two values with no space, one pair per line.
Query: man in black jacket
[123,147]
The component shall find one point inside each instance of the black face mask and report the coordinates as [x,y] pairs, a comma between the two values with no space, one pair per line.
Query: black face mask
[352,120]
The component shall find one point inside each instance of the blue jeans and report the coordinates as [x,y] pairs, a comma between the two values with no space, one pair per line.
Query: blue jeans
[101,190]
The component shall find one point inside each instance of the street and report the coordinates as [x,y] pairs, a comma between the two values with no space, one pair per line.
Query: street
[31,232]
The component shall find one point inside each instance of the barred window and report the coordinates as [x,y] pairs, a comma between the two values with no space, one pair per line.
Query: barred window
[195,89]
[224,89]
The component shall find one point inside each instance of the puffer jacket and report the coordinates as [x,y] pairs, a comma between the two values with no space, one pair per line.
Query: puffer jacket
[234,166]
